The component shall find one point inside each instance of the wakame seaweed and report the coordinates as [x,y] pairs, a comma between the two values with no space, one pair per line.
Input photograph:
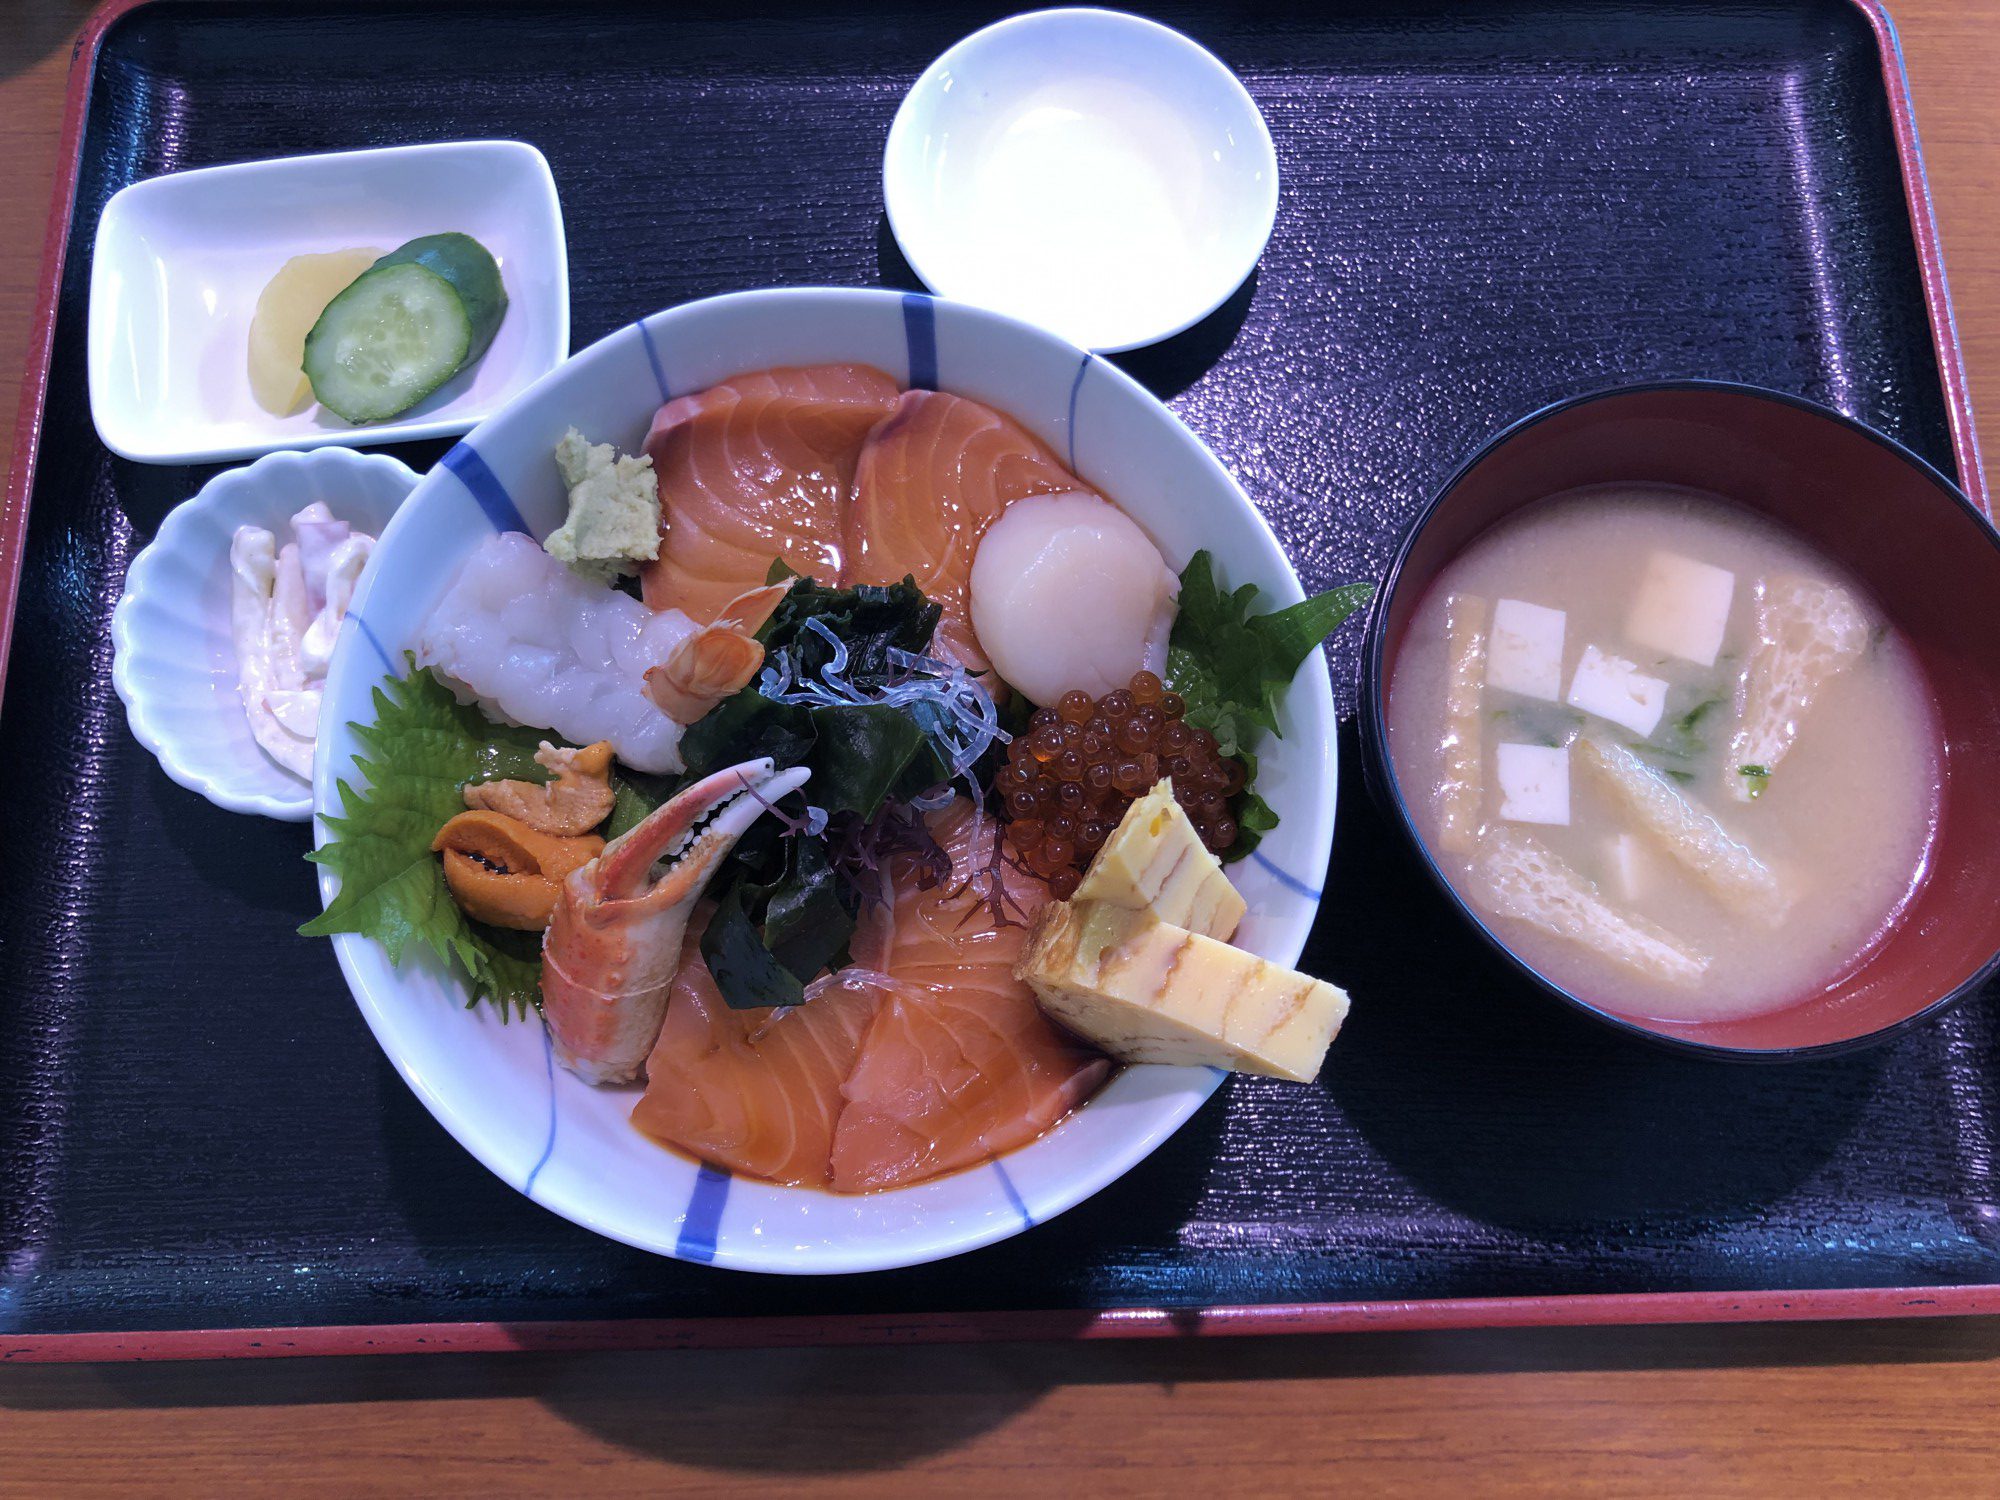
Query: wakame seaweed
[782,914]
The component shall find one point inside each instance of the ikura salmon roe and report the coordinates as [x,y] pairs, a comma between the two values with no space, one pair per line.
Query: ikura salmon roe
[1069,779]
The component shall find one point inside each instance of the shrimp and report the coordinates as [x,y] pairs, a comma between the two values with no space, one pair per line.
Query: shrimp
[536,644]
[717,660]
[614,943]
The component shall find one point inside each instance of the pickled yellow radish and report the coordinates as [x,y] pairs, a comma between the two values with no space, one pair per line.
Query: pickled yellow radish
[286,311]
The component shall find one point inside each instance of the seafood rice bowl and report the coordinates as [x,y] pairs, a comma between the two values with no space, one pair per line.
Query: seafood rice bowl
[594,1033]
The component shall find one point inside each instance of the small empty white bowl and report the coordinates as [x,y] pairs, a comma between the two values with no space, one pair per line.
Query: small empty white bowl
[174,662]
[1087,171]
[180,261]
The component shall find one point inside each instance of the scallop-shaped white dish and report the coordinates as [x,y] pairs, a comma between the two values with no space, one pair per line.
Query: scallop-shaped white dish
[175,663]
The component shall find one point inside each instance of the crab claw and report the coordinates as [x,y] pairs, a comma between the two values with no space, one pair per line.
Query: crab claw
[615,940]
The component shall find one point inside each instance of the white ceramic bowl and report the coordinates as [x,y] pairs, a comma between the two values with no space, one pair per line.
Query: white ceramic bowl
[174,663]
[180,261]
[1091,172]
[492,1084]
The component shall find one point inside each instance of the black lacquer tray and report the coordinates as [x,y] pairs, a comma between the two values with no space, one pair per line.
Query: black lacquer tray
[1486,207]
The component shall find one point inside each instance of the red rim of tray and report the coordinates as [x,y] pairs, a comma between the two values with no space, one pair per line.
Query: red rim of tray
[1817,1304]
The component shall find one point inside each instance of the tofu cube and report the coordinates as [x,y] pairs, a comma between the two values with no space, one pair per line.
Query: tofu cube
[1524,651]
[1534,783]
[1615,689]
[1682,608]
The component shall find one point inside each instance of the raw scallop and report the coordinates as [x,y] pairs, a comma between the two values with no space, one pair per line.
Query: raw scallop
[1068,593]
[937,472]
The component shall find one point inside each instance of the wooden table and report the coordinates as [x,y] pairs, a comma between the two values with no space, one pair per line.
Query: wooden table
[1800,1409]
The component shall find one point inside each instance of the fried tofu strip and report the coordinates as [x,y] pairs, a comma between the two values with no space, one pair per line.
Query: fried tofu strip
[1808,632]
[1462,787]
[1522,879]
[1683,830]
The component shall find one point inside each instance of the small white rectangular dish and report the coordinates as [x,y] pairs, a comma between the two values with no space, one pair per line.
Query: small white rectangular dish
[179,262]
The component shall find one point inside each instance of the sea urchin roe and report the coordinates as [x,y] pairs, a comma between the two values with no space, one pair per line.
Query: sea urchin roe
[1070,777]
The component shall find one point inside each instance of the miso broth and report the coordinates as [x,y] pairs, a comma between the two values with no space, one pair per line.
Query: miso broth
[1673,756]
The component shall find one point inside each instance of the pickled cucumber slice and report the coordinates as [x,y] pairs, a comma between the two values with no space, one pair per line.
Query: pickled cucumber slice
[388,341]
[405,326]
[473,274]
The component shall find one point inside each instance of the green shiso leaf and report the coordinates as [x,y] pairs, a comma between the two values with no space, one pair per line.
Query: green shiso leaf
[417,757]
[1233,666]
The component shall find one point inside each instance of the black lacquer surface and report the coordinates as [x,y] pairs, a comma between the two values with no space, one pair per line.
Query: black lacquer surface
[1485,207]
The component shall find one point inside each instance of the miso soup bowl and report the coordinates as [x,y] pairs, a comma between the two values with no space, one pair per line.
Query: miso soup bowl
[1932,561]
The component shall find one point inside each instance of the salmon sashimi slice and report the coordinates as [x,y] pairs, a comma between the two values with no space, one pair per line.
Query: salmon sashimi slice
[950,1078]
[931,479]
[757,1091]
[958,1064]
[756,468]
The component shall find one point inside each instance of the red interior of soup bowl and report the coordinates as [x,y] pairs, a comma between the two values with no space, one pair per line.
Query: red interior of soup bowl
[1931,560]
